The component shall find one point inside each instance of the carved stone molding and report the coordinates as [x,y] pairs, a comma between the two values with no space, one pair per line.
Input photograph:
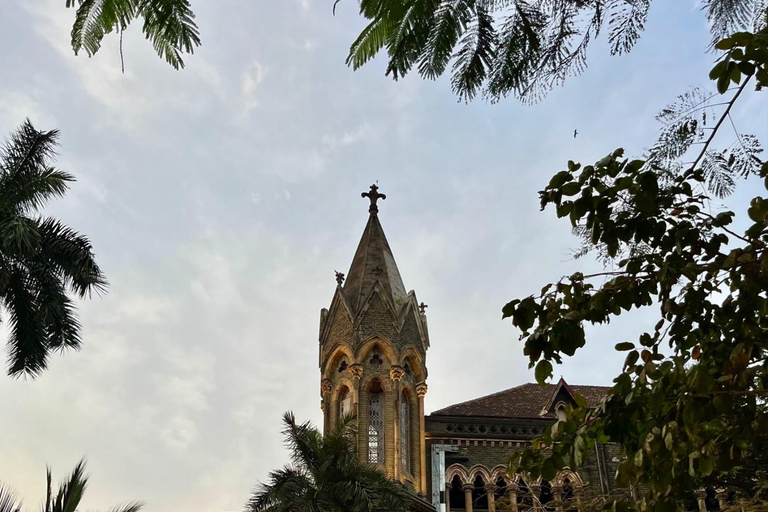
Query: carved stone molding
[356,370]
[322,405]
[396,373]
[468,487]
[326,386]
[421,389]
[491,488]
[498,430]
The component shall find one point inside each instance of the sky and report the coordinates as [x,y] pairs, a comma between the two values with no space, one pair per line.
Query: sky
[221,198]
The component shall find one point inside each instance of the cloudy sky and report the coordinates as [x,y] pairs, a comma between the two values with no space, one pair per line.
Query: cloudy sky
[220,200]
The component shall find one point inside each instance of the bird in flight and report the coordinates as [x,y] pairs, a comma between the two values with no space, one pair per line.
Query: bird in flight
[575,133]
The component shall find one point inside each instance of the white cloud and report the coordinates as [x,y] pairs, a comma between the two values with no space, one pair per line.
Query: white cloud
[253,77]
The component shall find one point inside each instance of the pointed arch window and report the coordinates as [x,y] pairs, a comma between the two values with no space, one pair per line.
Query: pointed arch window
[405,430]
[345,402]
[375,425]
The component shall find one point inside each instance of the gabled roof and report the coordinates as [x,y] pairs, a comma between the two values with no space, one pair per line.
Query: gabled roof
[525,401]
[373,261]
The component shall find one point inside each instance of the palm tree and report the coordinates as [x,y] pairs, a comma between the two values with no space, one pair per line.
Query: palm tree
[41,259]
[168,24]
[66,499]
[325,475]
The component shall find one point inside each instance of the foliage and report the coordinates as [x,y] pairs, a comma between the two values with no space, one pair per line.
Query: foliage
[40,258]
[691,414]
[512,47]
[168,24]
[66,499]
[325,475]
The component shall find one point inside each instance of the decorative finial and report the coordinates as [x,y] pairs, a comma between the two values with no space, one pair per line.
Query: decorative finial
[423,308]
[377,271]
[374,196]
[339,277]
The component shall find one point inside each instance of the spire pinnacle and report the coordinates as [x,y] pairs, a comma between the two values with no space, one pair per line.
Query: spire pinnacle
[374,196]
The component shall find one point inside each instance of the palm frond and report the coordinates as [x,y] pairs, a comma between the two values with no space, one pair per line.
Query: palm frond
[626,23]
[27,344]
[26,179]
[94,19]
[536,44]
[71,255]
[473,60]
[8,500]
[451,18]
[70,491]
[170,27]
[133,506]
[369,42]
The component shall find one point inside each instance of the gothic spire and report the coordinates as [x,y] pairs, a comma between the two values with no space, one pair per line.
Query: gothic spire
[373,262]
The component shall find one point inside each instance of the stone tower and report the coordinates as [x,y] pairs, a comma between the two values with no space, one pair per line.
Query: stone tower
[373,346]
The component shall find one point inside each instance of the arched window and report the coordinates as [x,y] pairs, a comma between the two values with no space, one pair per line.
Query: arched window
[524,498]
[479,496]
[405,433]
[457,494]
[569,499]
[560,411]
[375,424]
[501,489]
[345,402]
[545,497]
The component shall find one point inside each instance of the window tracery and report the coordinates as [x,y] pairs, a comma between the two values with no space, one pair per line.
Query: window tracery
[375,427]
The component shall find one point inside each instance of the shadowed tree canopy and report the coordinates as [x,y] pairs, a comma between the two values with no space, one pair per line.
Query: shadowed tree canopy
[522,48]
[326,475]
[689,407]
[41,259]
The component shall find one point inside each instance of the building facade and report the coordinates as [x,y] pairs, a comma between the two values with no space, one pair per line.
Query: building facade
[373,363]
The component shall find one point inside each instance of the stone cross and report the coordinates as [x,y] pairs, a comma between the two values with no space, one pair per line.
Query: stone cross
[422,308]
[374,196]
[339,277]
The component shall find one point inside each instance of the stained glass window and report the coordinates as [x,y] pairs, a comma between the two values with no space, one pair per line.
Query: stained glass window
[375,428]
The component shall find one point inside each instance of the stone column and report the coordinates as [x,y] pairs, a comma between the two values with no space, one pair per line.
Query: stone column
[325,403]
[512,494]
[421,390]
[468,488]
[577,497]
[722,498]
[396,374]
[490,491]
[447,497]
[557,493]
[535,496]
[701,496]
[361,411]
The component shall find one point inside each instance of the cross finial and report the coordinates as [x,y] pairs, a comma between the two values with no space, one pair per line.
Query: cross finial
[339,277]
[374,196]
[423,307]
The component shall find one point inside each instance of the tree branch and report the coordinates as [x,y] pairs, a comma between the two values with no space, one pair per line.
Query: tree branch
[720,122]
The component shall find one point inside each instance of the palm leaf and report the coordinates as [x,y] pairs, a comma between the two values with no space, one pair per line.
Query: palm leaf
[8,502]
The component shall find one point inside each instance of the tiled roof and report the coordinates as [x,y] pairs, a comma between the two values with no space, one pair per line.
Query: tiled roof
[525,401]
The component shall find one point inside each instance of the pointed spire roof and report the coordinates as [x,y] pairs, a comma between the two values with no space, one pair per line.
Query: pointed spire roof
[373,262]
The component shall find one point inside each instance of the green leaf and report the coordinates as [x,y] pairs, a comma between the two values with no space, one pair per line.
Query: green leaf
[559,179]
[543,371]
[624,346]
[570,189]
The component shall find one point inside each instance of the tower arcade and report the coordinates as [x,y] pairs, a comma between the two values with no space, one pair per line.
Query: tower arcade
[373,346]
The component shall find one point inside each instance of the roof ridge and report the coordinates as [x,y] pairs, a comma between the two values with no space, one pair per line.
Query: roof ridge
[490,395]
